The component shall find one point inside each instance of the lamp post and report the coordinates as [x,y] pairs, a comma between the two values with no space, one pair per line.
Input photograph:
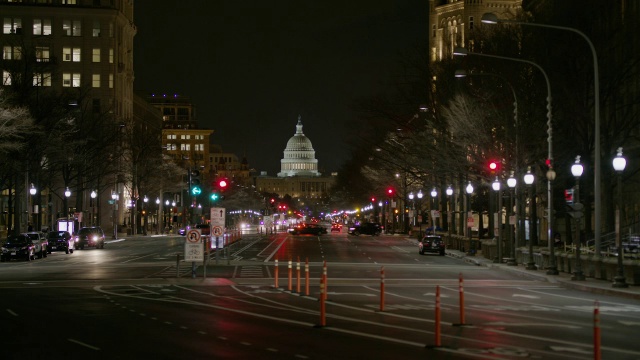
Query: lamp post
[93,195]
[552,269]
[145,200]
[434,194]
[469,190]
[420,195]
[511,183]
[413,207]
[449,192]
[157,217]
[619,163]
[33,191]
[114,197]
[528,180]
[576,170]
[496,187]
[490,18]
[67,194]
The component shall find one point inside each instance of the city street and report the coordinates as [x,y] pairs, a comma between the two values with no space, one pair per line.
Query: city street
[130,300]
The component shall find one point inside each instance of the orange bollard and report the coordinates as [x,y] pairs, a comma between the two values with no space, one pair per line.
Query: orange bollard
[461,289]
[382,288]
[597,352]
[437,317]
[298,276]
[275,276]
[324,276]
[323,319]
[289,287]
[306,277]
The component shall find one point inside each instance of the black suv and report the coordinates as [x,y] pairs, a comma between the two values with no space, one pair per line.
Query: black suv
[60,241]
[431,243]
[366,228]
[90,236]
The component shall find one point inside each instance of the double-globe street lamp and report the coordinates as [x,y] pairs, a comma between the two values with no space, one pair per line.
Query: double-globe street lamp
[511,183]
[449,192]
[469,190]
[490,18]
[552,269]
[496,187]
[619,163]
[434,195]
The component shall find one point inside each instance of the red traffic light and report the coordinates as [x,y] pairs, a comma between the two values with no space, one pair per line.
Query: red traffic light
[494,166]
[390,191]
[373,199]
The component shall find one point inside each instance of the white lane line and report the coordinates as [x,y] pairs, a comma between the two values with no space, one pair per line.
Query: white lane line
[12,312]
[83,344]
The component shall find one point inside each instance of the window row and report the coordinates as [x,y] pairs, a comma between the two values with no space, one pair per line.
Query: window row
[43,54]
[185,147]
[43,26]
[185,137]
[68,79]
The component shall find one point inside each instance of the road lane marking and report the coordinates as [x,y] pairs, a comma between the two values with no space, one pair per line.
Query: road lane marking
[84,344]
[12,312]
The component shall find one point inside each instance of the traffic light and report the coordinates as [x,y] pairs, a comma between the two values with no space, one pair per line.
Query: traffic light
[373,200]
[576,210]
[214,196]
[222,184]
[391,192]
[494,167]
[194,183]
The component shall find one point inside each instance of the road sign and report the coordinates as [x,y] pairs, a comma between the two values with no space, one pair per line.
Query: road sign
[193,236]
[470,221]
[193,251]
[217,216]
[216,231]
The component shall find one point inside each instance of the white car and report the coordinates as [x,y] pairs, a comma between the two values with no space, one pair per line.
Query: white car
[40,242]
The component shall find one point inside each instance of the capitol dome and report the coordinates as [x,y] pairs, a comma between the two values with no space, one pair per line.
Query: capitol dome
[299,156]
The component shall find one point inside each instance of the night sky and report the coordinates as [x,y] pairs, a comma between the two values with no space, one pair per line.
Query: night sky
[252,66]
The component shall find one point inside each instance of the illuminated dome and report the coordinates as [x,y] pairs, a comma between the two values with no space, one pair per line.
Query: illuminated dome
[299,156]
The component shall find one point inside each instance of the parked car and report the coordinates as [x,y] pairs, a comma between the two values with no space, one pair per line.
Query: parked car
[18,247]
[336,227]
[312,229]
[90,236]
[60,241]
[40,242]
[366,228]
[432,244]
[205,229]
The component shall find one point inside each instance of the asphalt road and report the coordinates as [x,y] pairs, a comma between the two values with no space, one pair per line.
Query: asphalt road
[130,300]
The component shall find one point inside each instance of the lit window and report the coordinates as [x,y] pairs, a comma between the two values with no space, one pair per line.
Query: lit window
[68,2]
[6,78]
[185,147]
[110,56]
[72,27]
[41,26]
[12,53]
[171,136]
[42,54]
[70,80]
[96,29]
[110,81]
[71,54]
[12,26]
[95,80]
[42,79]
[96,55]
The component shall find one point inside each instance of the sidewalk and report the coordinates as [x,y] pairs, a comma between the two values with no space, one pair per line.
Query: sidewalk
[592,285]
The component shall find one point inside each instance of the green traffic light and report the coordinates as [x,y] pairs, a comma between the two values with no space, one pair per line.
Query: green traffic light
[214,196]
[196,190]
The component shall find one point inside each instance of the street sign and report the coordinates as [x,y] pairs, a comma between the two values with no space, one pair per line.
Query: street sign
[216,231]
[470,221]
[217,216]
[193,251]
[435,213]
[193,236]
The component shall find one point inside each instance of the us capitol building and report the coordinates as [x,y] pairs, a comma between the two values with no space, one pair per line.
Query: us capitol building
[298,176]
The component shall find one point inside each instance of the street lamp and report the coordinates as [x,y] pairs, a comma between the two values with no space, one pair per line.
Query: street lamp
[413,207]
[576,170]
[490,18]
[449,192]
[146,217]
[114,197]
[469,190]
[552,270]
[511,183]
[434,194]
[93,195]
[420,195]
[67,194]
[528,180]
[496,187]
[619,163]
[157,215]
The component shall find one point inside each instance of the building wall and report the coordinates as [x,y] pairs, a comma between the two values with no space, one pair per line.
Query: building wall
[296,186]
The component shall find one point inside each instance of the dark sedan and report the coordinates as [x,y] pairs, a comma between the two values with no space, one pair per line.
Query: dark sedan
[432,244]
[18,247]
[60,241]
[311,229]
[372,229]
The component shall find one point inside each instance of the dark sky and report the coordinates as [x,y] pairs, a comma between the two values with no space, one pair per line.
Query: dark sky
[252,66]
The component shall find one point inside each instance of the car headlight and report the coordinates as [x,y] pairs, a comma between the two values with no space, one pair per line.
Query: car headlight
[95,238]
